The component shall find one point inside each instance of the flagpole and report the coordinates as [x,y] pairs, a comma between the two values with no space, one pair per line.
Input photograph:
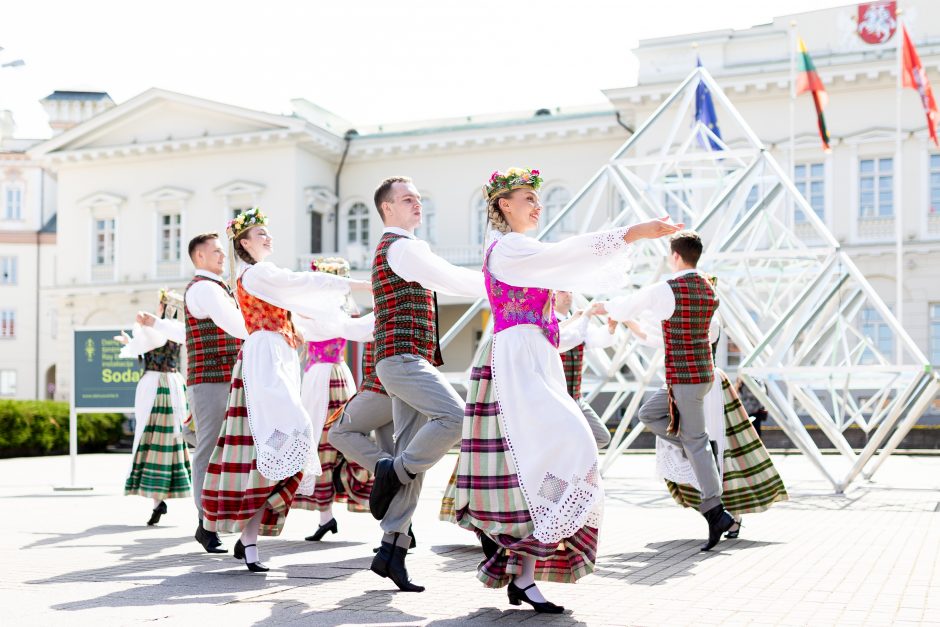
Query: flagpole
[899,188]
[792,155]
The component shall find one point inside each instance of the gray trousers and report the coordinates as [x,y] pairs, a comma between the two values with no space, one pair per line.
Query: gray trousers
[692,435]
[208,403]
[427,415]
[364,413]
[598,429]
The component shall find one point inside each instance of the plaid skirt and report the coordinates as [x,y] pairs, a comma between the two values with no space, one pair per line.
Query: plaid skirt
[161,466]
[234,490]
[342,480]
[484,496]
[750,483]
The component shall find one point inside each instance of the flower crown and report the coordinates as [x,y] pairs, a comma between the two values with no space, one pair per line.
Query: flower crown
[244,221]
[331,265]
[513,178]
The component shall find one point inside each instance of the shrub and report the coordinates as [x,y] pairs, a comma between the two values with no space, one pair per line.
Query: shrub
[42,428]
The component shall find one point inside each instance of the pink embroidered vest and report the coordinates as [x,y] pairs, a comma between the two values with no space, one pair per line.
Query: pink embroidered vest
[512,306]
[325,352]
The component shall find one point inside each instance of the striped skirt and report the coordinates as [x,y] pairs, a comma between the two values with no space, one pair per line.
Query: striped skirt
[234,490]
[484,496]
[161,466]
[750,483]
[342,480]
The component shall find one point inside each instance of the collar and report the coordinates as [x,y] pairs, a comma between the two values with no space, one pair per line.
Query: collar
[684,272]
[398,231]
[210,275]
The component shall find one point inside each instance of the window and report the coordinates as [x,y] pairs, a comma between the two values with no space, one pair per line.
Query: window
[7,323]
[555,200]
[7,270]
[427,230]
[357,225]
[933,324]
[480,221]
[810,180]
[7,382]
[13,202]
[876,188]
[104,242]
[878,332]
[935,185]
[170,236]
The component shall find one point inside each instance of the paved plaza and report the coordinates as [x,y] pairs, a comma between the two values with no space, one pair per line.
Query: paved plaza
[867,557]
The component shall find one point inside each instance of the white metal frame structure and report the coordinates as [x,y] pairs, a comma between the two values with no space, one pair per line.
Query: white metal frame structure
[790,297]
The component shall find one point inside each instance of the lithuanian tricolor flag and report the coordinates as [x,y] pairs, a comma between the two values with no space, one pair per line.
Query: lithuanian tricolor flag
[808,80]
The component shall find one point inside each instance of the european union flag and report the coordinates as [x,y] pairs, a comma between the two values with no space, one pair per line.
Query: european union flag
[705,113]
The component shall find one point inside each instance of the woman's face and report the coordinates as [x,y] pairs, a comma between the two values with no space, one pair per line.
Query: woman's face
[258,243]
[522,209]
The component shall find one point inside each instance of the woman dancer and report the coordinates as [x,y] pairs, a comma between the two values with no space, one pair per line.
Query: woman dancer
[327,385]
[527,480]
[267,446]
[160,466]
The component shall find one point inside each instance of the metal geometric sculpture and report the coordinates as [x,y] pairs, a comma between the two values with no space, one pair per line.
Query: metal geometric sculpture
[791,299]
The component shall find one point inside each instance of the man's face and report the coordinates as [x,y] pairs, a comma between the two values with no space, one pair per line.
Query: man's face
[210,255]
[403,209]
[563,301]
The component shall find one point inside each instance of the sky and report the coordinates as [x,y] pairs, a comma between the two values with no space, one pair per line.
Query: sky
[369,61]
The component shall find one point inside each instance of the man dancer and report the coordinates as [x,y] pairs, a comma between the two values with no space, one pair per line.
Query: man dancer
[214,333]
[575,336]
[685,304]
[426,411]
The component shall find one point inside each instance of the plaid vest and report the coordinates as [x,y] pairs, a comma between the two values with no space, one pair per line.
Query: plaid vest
[688,352]
[163,359]
[405,312]
[210,351]
[370,381]
[573,364]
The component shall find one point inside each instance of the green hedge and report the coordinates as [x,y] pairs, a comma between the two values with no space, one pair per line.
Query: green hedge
[42,428]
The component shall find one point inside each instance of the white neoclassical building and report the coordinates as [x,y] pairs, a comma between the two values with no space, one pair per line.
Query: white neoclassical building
[129,184]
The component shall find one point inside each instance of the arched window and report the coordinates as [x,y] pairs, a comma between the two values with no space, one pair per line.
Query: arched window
[552,204]
[478,222]
[357,225]
[427,230]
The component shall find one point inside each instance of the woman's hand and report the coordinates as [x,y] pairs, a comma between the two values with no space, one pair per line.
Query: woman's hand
[360,285]
[123,338]
[652,229]
[145,319]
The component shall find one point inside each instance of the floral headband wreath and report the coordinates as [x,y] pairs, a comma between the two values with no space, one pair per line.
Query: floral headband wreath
[172,303]
[331,265]
[512,179]
[235,227]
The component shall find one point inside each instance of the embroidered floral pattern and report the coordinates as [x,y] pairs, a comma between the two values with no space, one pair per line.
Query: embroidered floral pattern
[513,305]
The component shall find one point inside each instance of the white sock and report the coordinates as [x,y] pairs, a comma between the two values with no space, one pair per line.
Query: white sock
[326,516]
[527,578]
[251,554]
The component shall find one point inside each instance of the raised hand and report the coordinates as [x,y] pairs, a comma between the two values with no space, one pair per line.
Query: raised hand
[652,229]
[145,319]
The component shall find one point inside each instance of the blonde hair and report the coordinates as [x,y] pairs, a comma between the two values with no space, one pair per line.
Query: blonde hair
[494,214]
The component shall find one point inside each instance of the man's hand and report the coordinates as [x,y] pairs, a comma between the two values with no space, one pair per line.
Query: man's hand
[611,325]
[652,229]
[123,338]
[360,285]
[145,319]
[599,308]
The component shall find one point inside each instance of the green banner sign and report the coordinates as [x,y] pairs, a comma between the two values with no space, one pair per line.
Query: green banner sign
[102,379]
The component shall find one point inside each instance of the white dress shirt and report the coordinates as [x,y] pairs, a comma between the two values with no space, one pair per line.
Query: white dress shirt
[206,299]
[573,333]
[413,261]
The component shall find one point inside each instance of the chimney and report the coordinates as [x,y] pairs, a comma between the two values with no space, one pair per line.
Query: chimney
[69,108]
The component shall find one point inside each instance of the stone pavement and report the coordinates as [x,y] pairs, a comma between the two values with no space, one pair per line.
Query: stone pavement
[871,556]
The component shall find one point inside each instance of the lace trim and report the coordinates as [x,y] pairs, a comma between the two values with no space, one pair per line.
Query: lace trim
[283,455]
[609,242]
[564,505]
[672,465]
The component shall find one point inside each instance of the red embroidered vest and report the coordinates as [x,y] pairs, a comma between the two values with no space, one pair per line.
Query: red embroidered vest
[405,312]
[688,352]
[573,364]
[263,316]
[210,351]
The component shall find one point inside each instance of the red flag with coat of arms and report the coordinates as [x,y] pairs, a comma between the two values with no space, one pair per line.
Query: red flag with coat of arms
[914,76]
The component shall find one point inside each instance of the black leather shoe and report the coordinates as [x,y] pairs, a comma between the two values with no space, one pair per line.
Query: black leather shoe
[517,595]
[490,548]
[209,540]
[158,511]
[338,486]
[719,521]
[384,488]
[321,531]
[239,553]
[735,531]
[390,562]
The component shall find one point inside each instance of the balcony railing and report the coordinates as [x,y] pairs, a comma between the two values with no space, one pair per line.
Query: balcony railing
[876,229]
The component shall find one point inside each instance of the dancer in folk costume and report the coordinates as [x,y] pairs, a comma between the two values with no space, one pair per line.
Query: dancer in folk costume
[527,476]
[750,482]
[327,386]
[215,330]
[266,450]
[576,334]
[685,304]
[160,466]
[426,411]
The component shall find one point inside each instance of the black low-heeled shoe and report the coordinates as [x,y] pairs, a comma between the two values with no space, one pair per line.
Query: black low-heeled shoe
[517,595]
[735,530]
[322,529]
[239,553]
[158,511]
